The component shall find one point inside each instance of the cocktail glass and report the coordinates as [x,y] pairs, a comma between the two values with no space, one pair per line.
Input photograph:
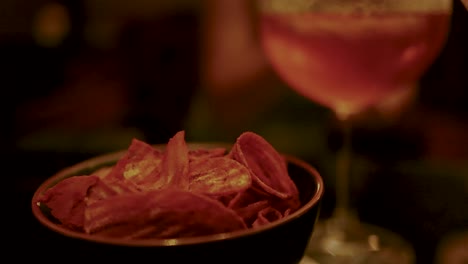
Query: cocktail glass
[350,56]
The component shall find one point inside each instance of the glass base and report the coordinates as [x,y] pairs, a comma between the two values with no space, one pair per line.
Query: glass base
[346,241]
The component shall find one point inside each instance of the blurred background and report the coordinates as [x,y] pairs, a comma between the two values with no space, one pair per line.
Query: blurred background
[80,78]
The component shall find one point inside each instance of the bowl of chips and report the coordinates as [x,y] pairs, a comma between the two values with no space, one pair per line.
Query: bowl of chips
[183,202]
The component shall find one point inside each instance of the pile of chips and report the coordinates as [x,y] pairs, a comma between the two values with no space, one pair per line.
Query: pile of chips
[178,192]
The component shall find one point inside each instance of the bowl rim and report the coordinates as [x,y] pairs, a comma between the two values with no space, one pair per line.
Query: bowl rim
[114,156]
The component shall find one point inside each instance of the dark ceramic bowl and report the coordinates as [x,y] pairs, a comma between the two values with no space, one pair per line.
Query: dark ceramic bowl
[283,241]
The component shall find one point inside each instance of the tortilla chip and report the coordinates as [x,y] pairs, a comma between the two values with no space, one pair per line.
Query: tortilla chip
[266,216]
[175,163]
[170,212]
[195,154]
[105,189]
[140,160]
[66,200]
[267,166]
[219,176]
[249,213]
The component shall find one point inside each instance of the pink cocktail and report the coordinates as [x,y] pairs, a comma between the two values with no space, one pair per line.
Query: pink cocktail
[349,62]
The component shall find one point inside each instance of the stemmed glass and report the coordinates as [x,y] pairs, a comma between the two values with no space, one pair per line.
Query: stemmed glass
[351,56]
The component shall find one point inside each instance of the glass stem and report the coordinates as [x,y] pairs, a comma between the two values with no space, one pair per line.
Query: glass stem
[343,167]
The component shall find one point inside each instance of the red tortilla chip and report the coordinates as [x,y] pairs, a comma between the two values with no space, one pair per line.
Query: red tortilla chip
[167,213]
[66,200]
[266,216]
[268,167]
[218,176]
[105,189]
[250,212]
[175,163]
[243,199]
[195,154]
[248,203]
[140,161]
[103,172]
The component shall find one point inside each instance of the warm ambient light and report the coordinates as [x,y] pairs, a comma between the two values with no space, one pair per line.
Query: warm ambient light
[51,25]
